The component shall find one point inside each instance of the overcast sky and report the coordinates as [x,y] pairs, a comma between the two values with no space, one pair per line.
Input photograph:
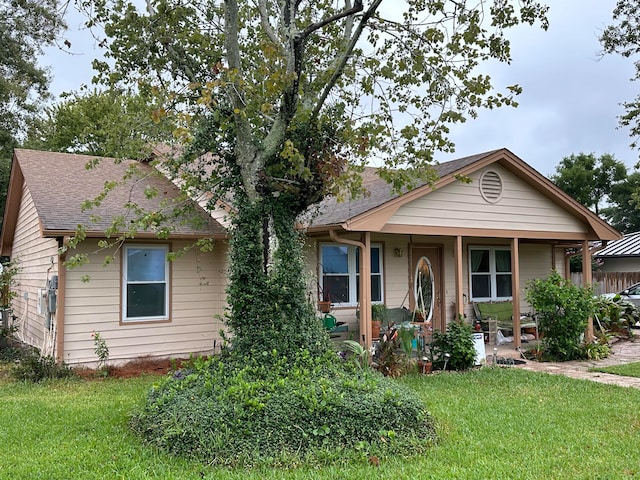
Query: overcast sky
[571,97]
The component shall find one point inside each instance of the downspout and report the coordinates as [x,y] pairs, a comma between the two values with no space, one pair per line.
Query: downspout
[365,279]
[62,257]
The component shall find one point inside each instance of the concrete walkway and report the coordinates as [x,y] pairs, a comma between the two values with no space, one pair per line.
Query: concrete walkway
[624,351]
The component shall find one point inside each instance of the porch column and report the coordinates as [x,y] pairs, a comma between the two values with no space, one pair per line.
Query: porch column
[365,290]
[515,290]
[587,281]
[457,254]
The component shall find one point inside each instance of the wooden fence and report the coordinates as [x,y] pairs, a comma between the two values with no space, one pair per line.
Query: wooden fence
[608,282]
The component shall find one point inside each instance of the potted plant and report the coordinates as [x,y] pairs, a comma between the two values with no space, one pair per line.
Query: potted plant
[324,304]
[378,316]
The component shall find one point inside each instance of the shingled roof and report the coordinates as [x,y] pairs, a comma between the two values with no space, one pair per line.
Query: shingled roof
[59,182]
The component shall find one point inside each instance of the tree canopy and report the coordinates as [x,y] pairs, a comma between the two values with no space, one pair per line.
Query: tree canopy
[588,179]
[623,37]
[623,212]
[26,27]
[108,123]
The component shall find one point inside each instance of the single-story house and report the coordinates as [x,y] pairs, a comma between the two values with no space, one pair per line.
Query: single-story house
[621,255]
[488,225]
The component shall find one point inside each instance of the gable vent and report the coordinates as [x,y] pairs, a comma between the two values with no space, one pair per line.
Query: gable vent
[491,186]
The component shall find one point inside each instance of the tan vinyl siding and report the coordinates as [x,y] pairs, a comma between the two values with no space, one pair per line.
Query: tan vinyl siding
[461,205]
[197,285]
[33,253]
[536,262]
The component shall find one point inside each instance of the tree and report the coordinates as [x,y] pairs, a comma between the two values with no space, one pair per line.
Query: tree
[293,98]
[623,37]
[623,213]
[111,124]
[26,27]
[588,179]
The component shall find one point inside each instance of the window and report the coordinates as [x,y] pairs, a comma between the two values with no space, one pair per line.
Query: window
[490,269]
[340,273]
[145,283]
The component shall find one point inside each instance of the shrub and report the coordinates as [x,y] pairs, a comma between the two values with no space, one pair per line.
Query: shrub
[279,411]
[615,314]
[34,367]
[457,342]
[563,310]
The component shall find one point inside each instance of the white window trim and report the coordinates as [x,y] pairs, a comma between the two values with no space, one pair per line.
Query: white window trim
[125,283]
[351,272]
[492,274]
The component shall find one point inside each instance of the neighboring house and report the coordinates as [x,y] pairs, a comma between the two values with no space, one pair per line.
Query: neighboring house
[621,255]
[486,227]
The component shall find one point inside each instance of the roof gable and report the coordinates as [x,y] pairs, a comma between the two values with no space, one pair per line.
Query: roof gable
[374,212]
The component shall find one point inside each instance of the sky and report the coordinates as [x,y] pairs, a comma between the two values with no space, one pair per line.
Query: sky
[570,103]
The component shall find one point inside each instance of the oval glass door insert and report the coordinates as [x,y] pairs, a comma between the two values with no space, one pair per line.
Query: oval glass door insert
[423,287]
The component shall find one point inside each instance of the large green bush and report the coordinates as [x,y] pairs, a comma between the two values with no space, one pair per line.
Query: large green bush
[280,411]
[563,310]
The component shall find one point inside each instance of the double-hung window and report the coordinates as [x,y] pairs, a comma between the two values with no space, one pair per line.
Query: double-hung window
[490,271]
[340,273]
[145,283]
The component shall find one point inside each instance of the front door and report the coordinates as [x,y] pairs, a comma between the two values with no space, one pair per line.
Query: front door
[425,278]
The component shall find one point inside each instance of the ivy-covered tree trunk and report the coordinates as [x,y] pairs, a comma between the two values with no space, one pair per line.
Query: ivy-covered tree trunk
[269,307]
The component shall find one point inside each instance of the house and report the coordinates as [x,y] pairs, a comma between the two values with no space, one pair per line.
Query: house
[488,225]
[621,255]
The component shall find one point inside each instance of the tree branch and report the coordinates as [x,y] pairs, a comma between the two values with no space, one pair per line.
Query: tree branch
[342,61]
[266,26]
[357,7]
[245,152]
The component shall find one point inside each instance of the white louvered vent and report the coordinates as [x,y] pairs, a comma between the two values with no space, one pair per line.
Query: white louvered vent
[491,186]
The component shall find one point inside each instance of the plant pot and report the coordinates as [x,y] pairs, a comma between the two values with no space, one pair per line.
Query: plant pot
[375,329]
[324,306]
[425,366]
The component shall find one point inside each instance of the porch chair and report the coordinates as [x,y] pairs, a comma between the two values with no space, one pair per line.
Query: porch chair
[502,314]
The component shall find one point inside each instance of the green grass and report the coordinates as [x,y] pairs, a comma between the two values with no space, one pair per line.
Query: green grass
[493,423]
[626,370]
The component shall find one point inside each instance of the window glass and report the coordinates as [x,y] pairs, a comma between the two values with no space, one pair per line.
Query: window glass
[503,285]
[336,288]
[480,260]
[146,300]
[490,271]
[503,260]
[335,259]
[481,286]
[145,264]
[145,283]
[340,273]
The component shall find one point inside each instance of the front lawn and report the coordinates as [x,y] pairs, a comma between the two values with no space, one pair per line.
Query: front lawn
[493,423]
[626,370]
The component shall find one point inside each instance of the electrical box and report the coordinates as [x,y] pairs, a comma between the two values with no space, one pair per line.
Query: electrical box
[51,301]
[42,301]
